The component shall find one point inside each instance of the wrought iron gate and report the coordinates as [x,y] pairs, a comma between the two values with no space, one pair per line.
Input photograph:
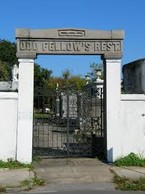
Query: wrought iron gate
[68,122]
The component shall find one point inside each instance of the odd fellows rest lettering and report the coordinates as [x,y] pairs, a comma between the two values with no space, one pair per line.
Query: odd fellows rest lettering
[69,46]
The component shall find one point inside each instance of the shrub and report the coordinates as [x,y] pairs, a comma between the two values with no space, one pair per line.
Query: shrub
[130,160]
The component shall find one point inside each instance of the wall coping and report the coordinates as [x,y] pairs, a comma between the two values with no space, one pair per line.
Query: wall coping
[9,95]
[132,97]
[69,33]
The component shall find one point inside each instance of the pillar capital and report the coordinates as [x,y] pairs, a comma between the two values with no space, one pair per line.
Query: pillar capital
[21,60]
[26,55]
[112,61]
[111,56]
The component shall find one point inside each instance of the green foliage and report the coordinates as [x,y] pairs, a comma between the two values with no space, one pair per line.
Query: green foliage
[13,164]
[129,184]
[41,116]
[2,189]
[96,66]
[8,52]
[66,74]
[5,71]
[66,80]
[36,159]
[77,82]
[130,160]
[53,81]
[41,78]
[41,75]
[7,59]
[31,183]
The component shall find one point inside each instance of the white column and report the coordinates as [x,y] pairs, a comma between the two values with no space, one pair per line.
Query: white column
[113,96]
[25,110]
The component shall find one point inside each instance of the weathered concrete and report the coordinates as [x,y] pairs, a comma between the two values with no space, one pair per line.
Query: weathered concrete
[133,77]
[74,187]
[69,33]
[73,171]
[129,172]
[70,174]
[31,42]
[13,178]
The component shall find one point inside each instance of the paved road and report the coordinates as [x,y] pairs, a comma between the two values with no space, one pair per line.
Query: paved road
[89,192]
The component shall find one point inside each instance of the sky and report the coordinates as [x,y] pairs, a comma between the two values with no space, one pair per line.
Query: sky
[128,15]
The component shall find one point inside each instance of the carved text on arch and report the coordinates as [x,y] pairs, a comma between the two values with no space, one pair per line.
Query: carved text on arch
[71,33]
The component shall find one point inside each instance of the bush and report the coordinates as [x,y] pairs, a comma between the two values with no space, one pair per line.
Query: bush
[130,160]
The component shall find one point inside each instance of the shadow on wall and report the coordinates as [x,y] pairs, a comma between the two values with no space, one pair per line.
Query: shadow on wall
[110,155]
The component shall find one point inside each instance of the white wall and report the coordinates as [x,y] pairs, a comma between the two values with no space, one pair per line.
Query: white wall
[132,126]
[8,125]
[128,137]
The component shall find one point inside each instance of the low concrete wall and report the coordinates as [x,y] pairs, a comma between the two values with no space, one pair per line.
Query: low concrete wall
[132,126]
[129,135]
[8,125]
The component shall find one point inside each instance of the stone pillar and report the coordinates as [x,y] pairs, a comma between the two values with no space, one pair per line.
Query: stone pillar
[112,112]
[25,110]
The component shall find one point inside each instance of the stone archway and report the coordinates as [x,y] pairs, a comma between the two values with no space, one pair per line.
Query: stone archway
[30,43]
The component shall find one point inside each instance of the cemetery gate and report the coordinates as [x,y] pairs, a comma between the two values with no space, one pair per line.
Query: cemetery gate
[56,130]
[68,122]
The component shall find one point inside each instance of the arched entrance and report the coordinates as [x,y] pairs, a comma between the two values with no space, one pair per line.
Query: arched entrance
[31,43]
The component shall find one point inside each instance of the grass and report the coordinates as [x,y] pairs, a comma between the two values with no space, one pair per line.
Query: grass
[33,182]
[41,116]
[26,184]
[36,159]
[2,189]
[130,160]
[13,164]
[126,184]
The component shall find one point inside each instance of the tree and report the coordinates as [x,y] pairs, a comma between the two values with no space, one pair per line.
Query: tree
[66,80]
[5,73]
[41,76]
[94,68]
[66,74]
[8,52]
[77,81]
[7,59]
